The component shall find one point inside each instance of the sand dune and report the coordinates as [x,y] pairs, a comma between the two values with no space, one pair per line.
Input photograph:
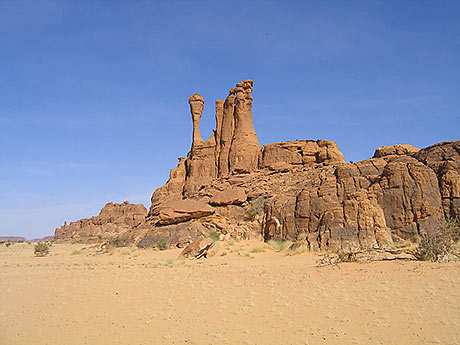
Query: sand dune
[146,297]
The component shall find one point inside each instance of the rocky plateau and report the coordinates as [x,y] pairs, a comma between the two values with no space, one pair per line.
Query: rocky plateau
[232,186]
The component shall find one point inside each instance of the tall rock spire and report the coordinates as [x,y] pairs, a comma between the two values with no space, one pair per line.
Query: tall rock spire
[196,108]
[245,145]
[226,133]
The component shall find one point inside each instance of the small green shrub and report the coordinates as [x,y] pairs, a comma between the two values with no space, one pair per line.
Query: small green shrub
[41,249]
[214,236]
[7,244]
[162,244]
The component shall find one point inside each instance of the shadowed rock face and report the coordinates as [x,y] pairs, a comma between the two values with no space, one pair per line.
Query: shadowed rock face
[304,188]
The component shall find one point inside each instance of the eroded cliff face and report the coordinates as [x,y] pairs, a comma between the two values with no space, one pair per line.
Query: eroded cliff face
[230,185]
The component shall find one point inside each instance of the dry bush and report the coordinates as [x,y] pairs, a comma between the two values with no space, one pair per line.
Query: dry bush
[41,249]
[279,245]
[442,245]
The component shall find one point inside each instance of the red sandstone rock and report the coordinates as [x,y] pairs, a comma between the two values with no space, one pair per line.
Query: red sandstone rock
[287,189]
[230,196]
[398,150]
[245,145]
[113,220]
[197,249]
[182,210]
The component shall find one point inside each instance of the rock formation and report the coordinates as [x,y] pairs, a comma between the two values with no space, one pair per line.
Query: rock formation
[245,145]
[113,220]
[302,189]
[197,249]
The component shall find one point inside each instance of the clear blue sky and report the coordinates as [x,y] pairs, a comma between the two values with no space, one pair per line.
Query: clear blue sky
[93,94]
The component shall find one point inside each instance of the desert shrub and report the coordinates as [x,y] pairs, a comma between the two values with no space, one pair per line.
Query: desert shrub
[297,249]
[279,245]
[118,242]
[214,236]
[41,249]
[258,249]
[7,244]
[441,244]
[77,252]
[162,244]
[302,236]
[152,242]
[257,208]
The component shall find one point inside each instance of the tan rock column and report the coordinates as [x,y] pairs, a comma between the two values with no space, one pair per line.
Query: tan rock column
[196,108]
[245,145]
[219,118]
[226,134]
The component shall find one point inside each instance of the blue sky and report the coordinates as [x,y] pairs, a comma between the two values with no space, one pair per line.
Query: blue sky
[93,94]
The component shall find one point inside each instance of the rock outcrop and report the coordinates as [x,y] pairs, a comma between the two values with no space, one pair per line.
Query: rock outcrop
[288,190]
[113,220]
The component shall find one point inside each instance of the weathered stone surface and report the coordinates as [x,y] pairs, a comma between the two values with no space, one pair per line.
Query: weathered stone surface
[245,145]
[444,159]
[228,125]
[172,190]
[280,156]
[398,150]
[201,160]
[196,103]
[181,210]
[291,190]
[230,196]
[113,220]
[218,132]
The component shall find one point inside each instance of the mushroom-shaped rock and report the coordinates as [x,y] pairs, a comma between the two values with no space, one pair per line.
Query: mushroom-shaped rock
[197,249]
[196,108]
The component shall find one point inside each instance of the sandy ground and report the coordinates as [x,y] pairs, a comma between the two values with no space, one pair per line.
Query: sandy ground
[146,297]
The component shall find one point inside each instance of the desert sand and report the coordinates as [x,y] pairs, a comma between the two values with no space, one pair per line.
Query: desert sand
[132,296]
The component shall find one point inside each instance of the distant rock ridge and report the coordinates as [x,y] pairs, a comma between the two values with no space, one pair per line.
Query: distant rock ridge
[113,220]
[230,185]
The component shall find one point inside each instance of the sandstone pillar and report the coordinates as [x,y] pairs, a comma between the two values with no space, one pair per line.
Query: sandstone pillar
[245,145]
[196,108]
[226,134]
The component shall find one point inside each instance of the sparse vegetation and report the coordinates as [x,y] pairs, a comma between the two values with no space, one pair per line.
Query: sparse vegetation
[442,245]
[297,250]
[260,249]
[279,245]
[153,242]
[162,244]
[257,208]
[214,236]
[77,252]
[41,249]
[117,242]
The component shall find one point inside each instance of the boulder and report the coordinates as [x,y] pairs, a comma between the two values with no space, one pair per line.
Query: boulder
[182,210]
[396,150]
[197,249]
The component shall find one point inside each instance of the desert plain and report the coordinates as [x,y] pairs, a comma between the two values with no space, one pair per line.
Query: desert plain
[243,293]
